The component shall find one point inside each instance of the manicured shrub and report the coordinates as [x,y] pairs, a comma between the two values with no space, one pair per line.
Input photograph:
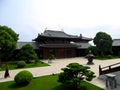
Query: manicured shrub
[23,78]
[51,57]
[21,64]
[109,56]
[37,60]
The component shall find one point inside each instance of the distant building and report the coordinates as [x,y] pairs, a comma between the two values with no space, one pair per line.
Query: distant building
[59,43]
[116,47]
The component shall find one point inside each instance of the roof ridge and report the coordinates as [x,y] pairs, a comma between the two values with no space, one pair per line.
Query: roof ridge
[54,31]
[61,32]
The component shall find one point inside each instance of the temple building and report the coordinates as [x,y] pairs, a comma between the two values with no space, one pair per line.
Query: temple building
[116,47]
[60,44]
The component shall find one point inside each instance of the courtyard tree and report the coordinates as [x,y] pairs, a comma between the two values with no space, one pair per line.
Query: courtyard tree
[8,41]
[103,42]
[27,53]
[74,74]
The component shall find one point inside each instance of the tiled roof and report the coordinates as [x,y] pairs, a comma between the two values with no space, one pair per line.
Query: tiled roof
[116,42]
[82,45]
[35,45]
[56,34]
[77,45]
[53,33]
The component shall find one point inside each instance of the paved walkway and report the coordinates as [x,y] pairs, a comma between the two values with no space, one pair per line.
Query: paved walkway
[56,66]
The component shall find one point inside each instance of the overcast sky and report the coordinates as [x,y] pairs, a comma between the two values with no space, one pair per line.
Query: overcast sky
[86,17]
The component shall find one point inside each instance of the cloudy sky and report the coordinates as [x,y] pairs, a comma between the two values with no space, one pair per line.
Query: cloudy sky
[86,17]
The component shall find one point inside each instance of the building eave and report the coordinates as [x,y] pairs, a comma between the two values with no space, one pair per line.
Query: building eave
[61,35]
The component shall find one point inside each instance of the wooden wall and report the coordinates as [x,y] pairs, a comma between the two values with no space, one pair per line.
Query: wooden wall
[59,52]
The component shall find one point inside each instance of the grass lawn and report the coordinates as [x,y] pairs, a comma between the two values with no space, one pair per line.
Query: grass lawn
[43,83]
[106,58]
[12,65]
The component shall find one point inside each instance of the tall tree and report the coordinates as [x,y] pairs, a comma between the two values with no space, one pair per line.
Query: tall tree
[8,41]
[103,42]
[27,53]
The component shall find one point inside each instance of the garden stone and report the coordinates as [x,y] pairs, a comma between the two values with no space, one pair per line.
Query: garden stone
[90,57]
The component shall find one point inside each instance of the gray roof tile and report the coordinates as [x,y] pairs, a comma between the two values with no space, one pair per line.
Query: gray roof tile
[116,42]
[82,45]
[53,33]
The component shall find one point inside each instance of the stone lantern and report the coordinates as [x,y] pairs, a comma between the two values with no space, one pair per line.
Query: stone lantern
[90,57]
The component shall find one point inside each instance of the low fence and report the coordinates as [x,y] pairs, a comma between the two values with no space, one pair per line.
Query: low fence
[108,69]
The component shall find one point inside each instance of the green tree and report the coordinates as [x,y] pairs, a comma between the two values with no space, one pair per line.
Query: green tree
[73,74]
[8,41]
[10,32]
[103,42]
[27,53]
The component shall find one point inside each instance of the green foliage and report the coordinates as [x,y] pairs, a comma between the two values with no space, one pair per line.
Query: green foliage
[109,56]
[51,57]
[94,50]
[10,32]
[13,65]
[37,61]
[103,42]
[44,83]
[8,41]
[74,74]
[23,78]
[21,64]
[27,53]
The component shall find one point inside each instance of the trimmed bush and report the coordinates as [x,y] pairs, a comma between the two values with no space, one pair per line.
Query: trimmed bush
[51,57]
[23,78]
[21,64]
[110,56]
